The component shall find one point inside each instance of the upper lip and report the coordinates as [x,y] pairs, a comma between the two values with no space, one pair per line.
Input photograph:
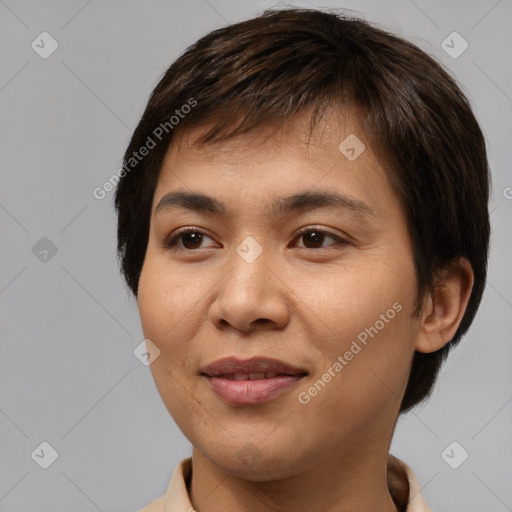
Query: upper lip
[233,365]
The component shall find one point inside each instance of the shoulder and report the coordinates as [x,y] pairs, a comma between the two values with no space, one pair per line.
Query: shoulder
[155,506]
[404,487]
[177,491]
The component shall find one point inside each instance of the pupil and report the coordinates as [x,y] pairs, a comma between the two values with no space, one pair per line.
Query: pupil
[315,237]
[192,238]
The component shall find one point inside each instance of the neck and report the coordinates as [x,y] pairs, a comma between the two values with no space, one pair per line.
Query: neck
[356,481]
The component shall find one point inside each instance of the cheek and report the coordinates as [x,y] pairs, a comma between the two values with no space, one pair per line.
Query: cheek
[162,303]
[358,299]
[361,378]
[368,312]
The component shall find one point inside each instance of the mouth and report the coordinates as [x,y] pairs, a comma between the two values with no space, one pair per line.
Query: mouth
[251,381]
[251,376]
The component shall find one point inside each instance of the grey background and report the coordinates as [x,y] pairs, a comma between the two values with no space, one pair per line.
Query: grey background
[69,327]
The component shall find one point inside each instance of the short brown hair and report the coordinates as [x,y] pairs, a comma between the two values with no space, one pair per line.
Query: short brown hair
[265,70]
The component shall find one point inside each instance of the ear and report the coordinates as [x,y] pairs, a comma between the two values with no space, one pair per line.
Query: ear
[444,308]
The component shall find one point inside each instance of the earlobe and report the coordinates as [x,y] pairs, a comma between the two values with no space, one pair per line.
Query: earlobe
[445,306]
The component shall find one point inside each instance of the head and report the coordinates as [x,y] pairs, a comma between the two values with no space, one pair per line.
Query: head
[262,109]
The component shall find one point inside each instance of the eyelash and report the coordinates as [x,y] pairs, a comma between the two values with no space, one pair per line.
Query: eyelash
[172,241]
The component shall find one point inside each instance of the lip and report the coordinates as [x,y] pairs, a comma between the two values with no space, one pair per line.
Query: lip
[252,389]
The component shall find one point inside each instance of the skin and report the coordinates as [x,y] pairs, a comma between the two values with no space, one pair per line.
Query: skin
[300,301]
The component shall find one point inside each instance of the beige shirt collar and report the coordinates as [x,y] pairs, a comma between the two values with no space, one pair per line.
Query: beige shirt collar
[176,498]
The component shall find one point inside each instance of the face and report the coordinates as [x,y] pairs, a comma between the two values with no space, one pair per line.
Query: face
[327,287]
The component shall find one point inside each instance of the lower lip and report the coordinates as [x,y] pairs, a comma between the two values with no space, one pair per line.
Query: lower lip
[251,391]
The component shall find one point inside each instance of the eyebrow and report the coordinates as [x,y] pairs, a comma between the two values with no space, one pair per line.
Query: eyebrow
[281,206]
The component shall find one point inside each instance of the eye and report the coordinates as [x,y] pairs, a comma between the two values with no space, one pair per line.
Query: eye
[313,237]
[190,238]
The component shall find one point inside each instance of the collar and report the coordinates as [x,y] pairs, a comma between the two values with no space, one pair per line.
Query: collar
[403,485]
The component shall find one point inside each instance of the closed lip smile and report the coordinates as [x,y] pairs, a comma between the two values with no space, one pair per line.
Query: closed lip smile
[251,381]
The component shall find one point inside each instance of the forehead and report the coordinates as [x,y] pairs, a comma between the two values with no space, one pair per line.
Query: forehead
[277,161]
[296,134]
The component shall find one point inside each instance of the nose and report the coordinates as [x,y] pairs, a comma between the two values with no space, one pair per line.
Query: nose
[251,296]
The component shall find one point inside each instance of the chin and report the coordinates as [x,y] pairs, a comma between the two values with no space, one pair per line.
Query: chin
[253,464]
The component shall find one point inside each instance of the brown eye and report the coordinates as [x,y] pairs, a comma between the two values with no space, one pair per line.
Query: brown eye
[314,238]
[190,239]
